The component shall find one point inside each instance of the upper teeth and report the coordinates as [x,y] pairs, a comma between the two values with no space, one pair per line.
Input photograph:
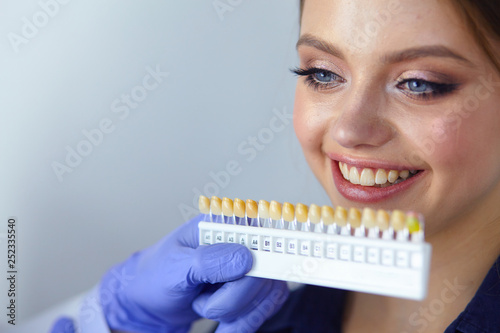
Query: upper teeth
[367,177]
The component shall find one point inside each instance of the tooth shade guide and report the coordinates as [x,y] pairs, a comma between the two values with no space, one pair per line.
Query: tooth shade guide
[327,215]
[227,210]
[263,209]
[354,217]
[264,219]
[314,214]
[404,274]
[398,220]
[239,212]
[340,217]
[275,210]
[395,225]
[288,212]
[251,209]
[216,209]
[204,204]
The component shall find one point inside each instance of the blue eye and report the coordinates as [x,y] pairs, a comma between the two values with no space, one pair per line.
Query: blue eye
[319,79]
[417,86]
[324,77]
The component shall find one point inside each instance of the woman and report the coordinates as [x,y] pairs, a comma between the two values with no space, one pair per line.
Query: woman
[412,87]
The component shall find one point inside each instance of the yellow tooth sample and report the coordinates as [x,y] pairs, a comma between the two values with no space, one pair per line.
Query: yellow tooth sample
[252,209]
[301,212]
[340,217]
[215,205]
[368,218]
[354,217]
[275,210]
[204,204]
[227,206]
[382,219]
[239,207]
[412,222]
[263,209]
[288,211]
[381,177]
[367,177]
[314,213]
[327,215]
[404,174]
[398,220]
[392,176]
[354,175]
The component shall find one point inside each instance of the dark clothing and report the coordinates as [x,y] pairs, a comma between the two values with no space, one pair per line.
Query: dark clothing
[318,309]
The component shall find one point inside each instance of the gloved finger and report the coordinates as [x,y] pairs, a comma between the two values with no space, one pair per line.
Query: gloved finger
[232,299]
[219,263]
[63,325]
[252,320]
[188,234]
[237,298]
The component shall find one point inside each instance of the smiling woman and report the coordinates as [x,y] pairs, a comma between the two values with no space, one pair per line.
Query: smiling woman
[384,125]
[396,107]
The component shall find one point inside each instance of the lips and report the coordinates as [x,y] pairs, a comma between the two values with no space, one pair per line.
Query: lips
[369,182]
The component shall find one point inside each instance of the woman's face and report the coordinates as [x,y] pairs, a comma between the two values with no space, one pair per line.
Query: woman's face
[388,88]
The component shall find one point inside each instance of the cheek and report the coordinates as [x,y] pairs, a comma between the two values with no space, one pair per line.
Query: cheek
[466,145]
[309,127]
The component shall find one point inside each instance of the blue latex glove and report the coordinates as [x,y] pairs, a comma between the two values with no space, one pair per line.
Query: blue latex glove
[63,325]
[154,290]
[242,305]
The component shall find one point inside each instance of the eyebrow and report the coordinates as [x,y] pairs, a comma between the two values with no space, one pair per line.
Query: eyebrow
[395,57]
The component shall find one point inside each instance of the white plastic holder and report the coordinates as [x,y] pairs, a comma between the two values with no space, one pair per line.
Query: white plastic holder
[378,266]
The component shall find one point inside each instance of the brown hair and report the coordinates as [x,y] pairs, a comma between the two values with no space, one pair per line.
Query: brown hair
[483,19]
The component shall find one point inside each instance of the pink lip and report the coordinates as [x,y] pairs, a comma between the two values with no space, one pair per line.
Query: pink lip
[361,163]
[369,194]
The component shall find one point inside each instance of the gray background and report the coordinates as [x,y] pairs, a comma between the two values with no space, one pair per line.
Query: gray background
[227,73]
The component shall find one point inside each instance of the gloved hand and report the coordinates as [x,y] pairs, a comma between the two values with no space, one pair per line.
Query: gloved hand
[242,305]
[154,290]
[63,325]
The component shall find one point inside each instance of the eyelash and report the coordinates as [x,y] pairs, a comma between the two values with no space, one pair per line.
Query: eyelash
[309,73]
[437,89]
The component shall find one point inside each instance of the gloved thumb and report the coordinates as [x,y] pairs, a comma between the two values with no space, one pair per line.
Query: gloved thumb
[220,263]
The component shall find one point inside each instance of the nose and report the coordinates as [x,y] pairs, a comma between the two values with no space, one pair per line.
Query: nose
[361,121]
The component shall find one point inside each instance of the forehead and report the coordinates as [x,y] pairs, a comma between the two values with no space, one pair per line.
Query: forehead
[376,26]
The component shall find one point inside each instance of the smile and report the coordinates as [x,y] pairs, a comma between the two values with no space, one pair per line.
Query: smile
[372,181]
[374,177]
